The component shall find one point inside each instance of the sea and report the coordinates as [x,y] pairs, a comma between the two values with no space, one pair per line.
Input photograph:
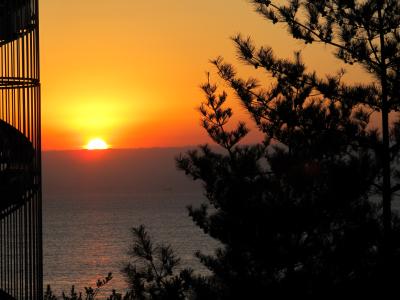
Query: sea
[91,201]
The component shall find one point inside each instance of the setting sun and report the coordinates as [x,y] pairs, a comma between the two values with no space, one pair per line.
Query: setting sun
[96,144]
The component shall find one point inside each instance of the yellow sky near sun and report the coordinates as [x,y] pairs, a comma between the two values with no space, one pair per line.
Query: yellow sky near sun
[129,71]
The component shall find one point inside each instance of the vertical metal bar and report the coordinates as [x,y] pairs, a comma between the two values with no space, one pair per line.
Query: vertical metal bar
[21,223]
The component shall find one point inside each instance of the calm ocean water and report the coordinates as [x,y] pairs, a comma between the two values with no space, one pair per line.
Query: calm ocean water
[92,200]
[88,235]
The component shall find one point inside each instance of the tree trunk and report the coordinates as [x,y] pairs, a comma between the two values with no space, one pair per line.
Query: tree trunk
[386,173]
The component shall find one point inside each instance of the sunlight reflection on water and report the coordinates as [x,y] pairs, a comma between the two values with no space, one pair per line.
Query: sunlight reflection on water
[87,236]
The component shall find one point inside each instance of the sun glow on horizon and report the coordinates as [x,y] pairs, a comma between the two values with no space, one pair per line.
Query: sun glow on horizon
[96,144]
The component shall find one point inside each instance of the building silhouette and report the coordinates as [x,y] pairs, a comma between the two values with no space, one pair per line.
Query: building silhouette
[20,145]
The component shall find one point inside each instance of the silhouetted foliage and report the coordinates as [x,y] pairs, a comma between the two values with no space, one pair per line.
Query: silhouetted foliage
[89,294]
[153,272]
[295,214]
[48,294]
[366,33]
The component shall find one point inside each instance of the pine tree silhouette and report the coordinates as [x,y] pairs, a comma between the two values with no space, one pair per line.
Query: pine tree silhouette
[295,213]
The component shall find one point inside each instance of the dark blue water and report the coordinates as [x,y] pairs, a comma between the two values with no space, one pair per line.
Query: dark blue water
[87,236]
[91,200]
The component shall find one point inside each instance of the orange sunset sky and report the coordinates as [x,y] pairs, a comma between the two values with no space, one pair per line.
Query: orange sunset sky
[129,71]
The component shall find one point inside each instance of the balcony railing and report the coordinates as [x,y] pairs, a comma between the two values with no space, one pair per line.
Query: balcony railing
[20,146]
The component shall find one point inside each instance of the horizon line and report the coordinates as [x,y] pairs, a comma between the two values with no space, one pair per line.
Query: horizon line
[127,148]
